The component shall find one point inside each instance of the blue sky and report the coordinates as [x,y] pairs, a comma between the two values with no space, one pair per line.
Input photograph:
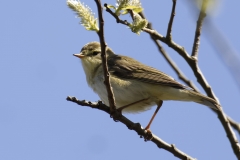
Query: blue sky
[38,72]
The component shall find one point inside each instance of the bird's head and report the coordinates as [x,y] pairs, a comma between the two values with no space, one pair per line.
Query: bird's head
[90,56]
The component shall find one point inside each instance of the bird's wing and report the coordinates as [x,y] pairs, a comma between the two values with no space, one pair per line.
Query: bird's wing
[128,68]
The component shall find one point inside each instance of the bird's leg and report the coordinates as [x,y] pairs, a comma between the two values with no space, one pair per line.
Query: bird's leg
[119,110]
[123,107]
[149,135]
[154,114]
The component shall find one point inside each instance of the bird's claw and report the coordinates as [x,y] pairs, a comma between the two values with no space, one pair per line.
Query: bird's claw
[116,115]
[148,136]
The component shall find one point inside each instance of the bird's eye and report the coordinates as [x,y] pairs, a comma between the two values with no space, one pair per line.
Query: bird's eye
[95,53]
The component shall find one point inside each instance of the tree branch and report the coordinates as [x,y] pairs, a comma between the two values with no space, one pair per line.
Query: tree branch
[100,33]
[134,126]
[169,30]
[192,62]
[234,124]
[201,17]
[118,20]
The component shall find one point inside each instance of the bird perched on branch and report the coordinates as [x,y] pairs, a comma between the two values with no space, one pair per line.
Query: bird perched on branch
[136,87]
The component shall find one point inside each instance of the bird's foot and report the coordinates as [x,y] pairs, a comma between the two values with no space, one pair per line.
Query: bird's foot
[148,135]
[116,114]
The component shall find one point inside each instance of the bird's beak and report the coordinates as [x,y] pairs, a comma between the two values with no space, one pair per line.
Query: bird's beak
[79,55]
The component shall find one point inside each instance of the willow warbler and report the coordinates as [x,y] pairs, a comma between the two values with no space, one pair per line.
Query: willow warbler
[135,85]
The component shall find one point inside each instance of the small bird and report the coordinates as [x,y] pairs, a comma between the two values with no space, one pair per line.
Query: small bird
[136,87]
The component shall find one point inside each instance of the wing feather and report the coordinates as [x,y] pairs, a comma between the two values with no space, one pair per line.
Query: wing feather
[128,68]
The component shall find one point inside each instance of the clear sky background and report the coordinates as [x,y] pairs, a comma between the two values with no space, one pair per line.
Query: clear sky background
[38,72]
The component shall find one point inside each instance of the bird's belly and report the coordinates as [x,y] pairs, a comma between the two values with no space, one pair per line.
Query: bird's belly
[125,93]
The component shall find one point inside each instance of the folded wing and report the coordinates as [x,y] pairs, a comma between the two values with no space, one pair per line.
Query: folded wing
[128,68]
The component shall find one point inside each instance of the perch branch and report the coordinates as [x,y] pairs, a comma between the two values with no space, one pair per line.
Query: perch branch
[134,126]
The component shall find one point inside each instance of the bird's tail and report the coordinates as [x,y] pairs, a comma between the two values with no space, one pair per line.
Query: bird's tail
[204,100]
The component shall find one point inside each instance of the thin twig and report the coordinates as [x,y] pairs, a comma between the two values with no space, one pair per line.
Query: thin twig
[111,98]
[134,126]
[198,30]
[220,43]
[235,125]
[169,30]
[192,62]
[118,20]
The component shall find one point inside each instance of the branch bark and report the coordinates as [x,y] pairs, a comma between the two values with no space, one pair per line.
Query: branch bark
[235,125]
[104,59]
[169,30]
[201,17]
[134,126]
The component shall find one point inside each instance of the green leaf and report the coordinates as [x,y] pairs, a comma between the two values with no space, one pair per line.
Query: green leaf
[125,12]
[111,6]
[134,8]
